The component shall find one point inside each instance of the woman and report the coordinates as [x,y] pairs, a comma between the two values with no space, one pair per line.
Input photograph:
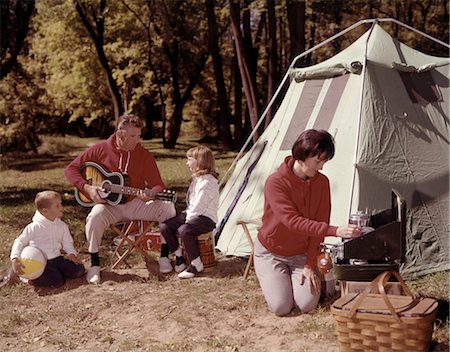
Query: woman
[296,219]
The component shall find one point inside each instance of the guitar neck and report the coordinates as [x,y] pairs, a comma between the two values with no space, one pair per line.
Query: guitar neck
[130,190]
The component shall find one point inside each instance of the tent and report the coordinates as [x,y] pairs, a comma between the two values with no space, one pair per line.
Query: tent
[387,106]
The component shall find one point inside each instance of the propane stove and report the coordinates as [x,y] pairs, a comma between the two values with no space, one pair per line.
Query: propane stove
[381,249]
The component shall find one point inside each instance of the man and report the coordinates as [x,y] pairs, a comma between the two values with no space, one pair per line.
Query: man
[121,152]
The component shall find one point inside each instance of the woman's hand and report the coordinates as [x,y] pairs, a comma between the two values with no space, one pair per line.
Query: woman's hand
[348,231]
[310,275]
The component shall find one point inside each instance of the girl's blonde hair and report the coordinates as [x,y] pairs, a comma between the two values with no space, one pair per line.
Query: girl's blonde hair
[44,199]
[205,161]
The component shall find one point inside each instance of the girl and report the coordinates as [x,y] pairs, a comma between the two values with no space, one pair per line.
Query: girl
[202,200]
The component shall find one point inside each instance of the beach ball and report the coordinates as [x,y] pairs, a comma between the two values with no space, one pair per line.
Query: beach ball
[34,262]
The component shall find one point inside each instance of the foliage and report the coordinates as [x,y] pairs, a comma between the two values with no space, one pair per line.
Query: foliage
[157,50]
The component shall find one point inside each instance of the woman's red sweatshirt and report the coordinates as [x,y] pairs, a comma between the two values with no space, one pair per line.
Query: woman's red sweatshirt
[296,213]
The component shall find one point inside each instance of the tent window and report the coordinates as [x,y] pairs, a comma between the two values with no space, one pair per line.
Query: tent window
[421,87]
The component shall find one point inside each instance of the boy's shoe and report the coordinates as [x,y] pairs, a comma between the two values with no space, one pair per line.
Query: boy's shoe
[164,265]
[93,275]
[180,264]
[191,271]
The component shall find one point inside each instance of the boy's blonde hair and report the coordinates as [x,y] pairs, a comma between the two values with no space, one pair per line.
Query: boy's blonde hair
[205,160]
[44,199]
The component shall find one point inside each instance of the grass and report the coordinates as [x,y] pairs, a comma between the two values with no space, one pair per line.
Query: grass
[23,177]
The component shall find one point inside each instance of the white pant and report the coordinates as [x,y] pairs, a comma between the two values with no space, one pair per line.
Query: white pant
[104,215]
[279,278]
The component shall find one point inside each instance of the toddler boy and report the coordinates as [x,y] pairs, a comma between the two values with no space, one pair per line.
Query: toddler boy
[50,234]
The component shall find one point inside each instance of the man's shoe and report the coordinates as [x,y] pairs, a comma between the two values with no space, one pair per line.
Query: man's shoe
[180,264]
[93,275]
[164,265]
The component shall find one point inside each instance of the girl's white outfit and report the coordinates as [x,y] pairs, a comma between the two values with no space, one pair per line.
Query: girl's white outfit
[200,216]
[203,197]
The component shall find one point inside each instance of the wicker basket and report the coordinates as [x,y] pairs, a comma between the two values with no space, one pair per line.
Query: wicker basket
[379,322]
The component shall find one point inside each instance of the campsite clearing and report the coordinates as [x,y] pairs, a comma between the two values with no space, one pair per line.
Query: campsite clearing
[134,311]
[131,311]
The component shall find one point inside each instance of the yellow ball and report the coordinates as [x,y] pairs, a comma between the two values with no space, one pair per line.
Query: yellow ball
[34,262]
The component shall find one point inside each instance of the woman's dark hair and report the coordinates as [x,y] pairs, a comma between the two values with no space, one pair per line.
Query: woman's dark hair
[313,142]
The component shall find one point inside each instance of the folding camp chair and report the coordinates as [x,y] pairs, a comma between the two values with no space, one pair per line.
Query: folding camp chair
[132,236]
[244,223]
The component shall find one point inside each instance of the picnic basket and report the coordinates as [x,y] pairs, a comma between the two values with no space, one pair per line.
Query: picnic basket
[380,322]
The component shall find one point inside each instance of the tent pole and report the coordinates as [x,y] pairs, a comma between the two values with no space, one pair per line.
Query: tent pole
[414,30]
[326,41]
[358,130]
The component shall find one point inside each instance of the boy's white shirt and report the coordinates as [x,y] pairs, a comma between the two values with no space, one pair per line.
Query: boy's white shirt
[203,197]
[49,236]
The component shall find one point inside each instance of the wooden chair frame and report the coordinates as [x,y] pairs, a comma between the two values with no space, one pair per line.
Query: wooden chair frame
[244,223]
[128,243]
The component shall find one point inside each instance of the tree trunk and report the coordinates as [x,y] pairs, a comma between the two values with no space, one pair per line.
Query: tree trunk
[296,20]
[272,56]
[97,37]
[222,99]
[245,68]
[149,104]
[312,33]
[173,123]
[22,16]
[238,132]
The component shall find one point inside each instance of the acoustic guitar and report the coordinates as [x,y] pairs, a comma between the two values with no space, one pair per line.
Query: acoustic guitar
[113,187]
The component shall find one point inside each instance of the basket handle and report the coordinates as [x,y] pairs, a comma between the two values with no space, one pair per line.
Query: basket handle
[380,281]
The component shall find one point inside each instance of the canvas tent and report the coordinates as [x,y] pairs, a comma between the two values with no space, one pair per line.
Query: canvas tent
[387,105]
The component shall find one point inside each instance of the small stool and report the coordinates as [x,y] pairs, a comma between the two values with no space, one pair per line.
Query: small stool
[205,244]
[131,238]
[244,223]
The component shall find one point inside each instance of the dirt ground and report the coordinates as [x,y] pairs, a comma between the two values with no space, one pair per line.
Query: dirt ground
[138,310]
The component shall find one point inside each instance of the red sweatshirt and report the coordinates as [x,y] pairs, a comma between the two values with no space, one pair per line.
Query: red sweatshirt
[296,213]
[138,164]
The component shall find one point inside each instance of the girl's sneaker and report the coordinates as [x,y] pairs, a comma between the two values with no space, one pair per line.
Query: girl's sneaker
[180,264]
[191,271]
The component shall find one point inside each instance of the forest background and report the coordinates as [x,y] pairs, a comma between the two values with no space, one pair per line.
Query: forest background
[206,68]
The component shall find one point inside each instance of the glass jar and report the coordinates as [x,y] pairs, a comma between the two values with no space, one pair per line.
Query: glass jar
[359,219]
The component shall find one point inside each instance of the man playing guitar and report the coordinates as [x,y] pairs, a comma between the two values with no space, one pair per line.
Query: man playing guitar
[121,152]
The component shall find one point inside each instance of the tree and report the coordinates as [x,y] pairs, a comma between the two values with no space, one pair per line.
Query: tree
[145,81]
[246,68]
[181,29]
[222,99]
[272,55]
[15,22]
[94,21]
[64,64]
[18,128]
[295,11]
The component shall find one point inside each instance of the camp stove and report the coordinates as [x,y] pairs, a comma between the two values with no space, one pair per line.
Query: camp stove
[381,249]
